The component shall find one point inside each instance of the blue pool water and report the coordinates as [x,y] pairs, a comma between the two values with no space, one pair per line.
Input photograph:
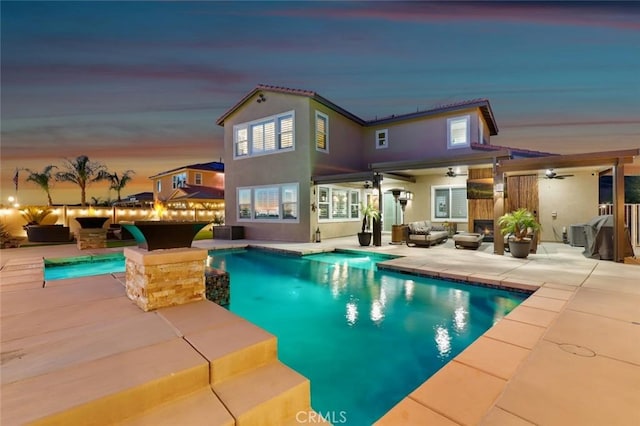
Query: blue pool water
[83,266]
[364,337]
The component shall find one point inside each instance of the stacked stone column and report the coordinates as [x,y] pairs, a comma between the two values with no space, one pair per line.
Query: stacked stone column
[161,278]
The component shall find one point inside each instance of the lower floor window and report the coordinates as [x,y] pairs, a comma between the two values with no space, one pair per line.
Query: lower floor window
[335,203]
[449,203]
[268,203]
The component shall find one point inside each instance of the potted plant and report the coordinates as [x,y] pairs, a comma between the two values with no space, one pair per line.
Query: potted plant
[39,232]
[369,213]
[519,225]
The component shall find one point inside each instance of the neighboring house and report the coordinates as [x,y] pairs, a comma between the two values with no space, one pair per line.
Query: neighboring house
[141,199]
[194,186]
[297,162]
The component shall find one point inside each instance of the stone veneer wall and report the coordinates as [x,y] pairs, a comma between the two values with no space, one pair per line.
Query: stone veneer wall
[160,278]
[91,238]
[217,284]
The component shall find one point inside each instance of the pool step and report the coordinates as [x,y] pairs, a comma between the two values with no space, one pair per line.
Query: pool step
[107,390]
[201,408]
[268,395]
[234,348]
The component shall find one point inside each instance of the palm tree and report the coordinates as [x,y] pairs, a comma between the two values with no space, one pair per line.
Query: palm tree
[119,182]
[43,180]
[82,172]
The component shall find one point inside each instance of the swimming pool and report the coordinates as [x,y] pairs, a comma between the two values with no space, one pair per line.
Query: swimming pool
[83,266]
[365,338]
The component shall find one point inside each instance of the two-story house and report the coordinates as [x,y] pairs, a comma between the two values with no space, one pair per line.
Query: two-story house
[193,186]
[297,162]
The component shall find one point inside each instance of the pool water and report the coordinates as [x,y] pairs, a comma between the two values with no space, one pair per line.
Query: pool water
[364,337]
[83,266]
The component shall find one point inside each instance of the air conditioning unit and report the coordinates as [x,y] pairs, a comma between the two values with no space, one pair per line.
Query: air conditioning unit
[576,235]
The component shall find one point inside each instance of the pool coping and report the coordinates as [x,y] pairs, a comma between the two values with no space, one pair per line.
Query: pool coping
[470,385]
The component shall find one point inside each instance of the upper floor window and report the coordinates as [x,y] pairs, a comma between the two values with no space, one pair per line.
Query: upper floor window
[198,178]
[382,139]
[158,185]
[481,132]
[322,132]
[264,136]
[449,203]
[458,132]
[179,180]
[268,203]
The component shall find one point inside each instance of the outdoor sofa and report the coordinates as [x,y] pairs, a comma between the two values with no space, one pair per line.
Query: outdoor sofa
[423,234]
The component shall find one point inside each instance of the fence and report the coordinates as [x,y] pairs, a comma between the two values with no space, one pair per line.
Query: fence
[631,219]
[65,215]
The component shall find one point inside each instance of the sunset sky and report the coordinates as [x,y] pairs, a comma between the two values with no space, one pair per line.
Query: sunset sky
[139,85]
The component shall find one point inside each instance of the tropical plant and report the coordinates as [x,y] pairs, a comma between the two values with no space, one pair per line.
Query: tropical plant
[519,223]
[35,215]
[82,172]
[218,218]
[117,183]
[369,213]
[43,180]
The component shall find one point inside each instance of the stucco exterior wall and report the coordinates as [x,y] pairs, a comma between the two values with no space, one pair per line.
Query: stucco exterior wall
[573,199]
[420,207]
[271,169]
[420,138]
[345,144]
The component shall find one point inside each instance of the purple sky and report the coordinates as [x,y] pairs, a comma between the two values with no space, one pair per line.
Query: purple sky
[139,85]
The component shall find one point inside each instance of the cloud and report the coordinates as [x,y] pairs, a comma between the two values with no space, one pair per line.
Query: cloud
[48,73]
[619,15]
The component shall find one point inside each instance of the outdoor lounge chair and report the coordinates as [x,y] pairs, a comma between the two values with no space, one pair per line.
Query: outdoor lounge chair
[423,234]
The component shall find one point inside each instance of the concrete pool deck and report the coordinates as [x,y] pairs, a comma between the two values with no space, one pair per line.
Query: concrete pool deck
[569,354]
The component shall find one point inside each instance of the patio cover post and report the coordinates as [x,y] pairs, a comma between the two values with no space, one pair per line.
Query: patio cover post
[498,210]
[377,223]
[619,236]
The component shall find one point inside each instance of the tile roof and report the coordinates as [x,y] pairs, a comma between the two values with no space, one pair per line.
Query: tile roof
[213,166]
[518,152]
[198,192]
[481,103]
[298,92]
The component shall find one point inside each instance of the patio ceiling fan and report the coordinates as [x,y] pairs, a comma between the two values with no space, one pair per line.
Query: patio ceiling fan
[550,174]
[451,173]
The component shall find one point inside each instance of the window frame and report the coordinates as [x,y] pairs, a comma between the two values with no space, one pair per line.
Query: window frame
[280,190]
[197,179]
[386,139]
[248,143]
[434,207]
[325,117]
[326,204]
[176,182]
[453,120]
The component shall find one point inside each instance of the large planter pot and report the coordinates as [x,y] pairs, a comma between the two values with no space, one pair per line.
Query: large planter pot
[156,235]
[364,238]
[92,222]
[48,233]
[520,249]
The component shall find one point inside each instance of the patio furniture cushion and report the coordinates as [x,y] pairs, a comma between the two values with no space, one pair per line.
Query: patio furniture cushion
[468,240]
